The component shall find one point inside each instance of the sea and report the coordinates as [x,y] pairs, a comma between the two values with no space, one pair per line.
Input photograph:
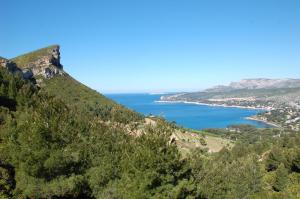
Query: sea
[192,116]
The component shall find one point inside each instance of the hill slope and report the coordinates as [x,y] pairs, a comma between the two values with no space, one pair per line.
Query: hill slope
[54,143]
[88,101]
[61,139]
[45,66]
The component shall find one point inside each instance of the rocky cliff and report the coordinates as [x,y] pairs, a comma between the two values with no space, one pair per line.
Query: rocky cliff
[41,63]
[9,65]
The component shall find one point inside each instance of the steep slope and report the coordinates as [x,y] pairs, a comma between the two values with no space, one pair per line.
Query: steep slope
[86,101]
[45,66]
[49,150]
[61,139]
[53,145]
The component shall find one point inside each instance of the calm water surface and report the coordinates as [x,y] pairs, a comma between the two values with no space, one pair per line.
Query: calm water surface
[187,115]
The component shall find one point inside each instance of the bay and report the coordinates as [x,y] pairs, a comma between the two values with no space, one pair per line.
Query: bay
[187,115]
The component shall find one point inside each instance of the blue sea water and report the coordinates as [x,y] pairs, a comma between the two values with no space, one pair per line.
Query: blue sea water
[187,115]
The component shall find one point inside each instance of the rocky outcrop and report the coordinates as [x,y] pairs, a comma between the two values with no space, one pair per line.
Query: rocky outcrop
[41,63]
[12,67]
[47,65]
[9,65]
[47,71]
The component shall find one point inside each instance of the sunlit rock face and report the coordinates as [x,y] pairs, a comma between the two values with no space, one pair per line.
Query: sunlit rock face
[41,63]
[47,64]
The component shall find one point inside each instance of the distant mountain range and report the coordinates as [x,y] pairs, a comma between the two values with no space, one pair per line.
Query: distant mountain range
[257,83]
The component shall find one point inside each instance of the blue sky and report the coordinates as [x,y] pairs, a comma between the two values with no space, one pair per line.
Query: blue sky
[159,45]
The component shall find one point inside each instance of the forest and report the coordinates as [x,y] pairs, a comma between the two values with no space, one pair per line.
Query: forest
[67,144]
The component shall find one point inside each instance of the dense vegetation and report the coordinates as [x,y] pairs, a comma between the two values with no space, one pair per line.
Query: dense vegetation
[49,149]
[67,144]
[88,101]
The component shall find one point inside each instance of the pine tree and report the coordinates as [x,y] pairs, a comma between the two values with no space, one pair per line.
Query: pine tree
[2,90]
[281,178]
[12,88]
[274,159]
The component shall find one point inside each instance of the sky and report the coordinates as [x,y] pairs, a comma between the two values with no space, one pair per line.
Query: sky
[130,46]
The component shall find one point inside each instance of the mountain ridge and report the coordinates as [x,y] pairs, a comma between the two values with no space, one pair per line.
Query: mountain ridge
[44,62]
[275,96]
[257,83]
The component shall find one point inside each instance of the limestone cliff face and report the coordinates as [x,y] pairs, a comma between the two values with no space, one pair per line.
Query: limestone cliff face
[41,63]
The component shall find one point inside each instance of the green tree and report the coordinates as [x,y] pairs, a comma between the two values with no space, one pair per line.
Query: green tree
[2,90]
[274,159]
[296,161]
[281,178]
[12,88]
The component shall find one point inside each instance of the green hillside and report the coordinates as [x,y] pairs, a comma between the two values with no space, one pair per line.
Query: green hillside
[87,100]
[60,139]
[48,149]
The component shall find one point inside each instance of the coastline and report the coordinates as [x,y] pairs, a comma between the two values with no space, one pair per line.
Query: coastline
[215,105]
[263,121]
[253,118]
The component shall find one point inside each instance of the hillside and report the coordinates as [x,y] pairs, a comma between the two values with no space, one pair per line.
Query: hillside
[279,98]
[60,139]
[45,66]
[86,101]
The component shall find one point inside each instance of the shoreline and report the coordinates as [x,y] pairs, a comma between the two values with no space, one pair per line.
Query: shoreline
[214,105]
[253,118]
[263,121]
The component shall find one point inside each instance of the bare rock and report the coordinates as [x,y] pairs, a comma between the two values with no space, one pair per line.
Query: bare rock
[9,65]
[44,62]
